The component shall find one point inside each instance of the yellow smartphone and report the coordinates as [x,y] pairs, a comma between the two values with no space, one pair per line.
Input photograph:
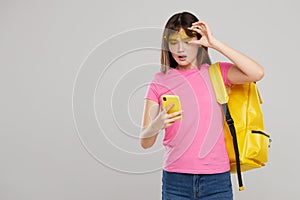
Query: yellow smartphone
[168,99]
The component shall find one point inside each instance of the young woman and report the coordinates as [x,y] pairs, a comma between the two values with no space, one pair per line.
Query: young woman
[196,164]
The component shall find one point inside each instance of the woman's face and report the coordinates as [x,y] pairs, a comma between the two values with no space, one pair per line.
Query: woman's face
[184,54]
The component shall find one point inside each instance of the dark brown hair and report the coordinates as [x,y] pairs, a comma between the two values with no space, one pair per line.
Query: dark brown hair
[175,23]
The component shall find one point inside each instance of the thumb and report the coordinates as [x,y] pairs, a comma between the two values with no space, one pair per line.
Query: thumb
[169,107]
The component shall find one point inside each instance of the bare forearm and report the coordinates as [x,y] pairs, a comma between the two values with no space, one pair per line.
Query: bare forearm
[247,65]
[148,136]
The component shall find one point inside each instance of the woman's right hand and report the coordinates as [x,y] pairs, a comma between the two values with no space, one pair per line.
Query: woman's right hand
[164,120]
[154,120]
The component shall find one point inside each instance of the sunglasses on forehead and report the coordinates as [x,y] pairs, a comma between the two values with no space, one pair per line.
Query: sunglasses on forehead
[183,34]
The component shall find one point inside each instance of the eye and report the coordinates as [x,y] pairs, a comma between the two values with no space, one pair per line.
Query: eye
[173,42]
[186,40]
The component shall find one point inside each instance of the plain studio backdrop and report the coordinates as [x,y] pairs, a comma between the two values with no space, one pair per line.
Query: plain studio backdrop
[73,78]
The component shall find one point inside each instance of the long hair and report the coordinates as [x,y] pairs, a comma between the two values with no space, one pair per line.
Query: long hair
[175,23]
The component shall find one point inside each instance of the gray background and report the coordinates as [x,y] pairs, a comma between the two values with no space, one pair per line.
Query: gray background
[73,76]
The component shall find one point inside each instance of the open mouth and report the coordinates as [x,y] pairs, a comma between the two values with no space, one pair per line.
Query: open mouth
[182,57]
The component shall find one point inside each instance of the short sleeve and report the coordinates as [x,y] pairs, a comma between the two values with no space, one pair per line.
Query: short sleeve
[224,66]
[151,92]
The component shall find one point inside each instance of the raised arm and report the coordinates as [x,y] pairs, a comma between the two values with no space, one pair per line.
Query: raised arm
[243,70]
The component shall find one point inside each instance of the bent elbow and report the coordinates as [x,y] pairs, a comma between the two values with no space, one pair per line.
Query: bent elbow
[259,75]
[144,144]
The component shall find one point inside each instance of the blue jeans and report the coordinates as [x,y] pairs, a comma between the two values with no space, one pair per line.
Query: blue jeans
[181,186]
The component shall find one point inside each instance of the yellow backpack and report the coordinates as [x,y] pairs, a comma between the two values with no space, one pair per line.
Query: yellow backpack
[246,141]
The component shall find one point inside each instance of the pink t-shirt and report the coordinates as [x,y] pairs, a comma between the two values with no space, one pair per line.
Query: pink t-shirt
[196,143]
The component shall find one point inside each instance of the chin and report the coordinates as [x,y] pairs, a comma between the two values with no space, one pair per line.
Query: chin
[183,63]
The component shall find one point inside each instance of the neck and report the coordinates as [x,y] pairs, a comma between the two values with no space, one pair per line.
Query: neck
[192,65]
[184,67]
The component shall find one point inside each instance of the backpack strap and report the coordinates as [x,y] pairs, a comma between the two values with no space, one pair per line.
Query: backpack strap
[222,98]
[218,84]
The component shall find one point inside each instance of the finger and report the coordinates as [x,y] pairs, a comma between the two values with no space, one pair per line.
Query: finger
[199,27]
[177,118]
[173,119]
[197,30]
[203,27]
[175,114]
[204,23]
[198,23]
[206,27]
[169,124]
[201,24]
[195,27]
[191,27]
[169,107]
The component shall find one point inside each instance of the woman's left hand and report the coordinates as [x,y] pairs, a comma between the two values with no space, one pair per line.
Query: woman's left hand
[207,38]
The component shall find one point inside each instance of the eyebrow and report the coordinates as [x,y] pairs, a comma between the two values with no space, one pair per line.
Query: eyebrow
[186,38]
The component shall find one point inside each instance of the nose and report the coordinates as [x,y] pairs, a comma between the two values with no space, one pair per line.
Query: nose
[180,47]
